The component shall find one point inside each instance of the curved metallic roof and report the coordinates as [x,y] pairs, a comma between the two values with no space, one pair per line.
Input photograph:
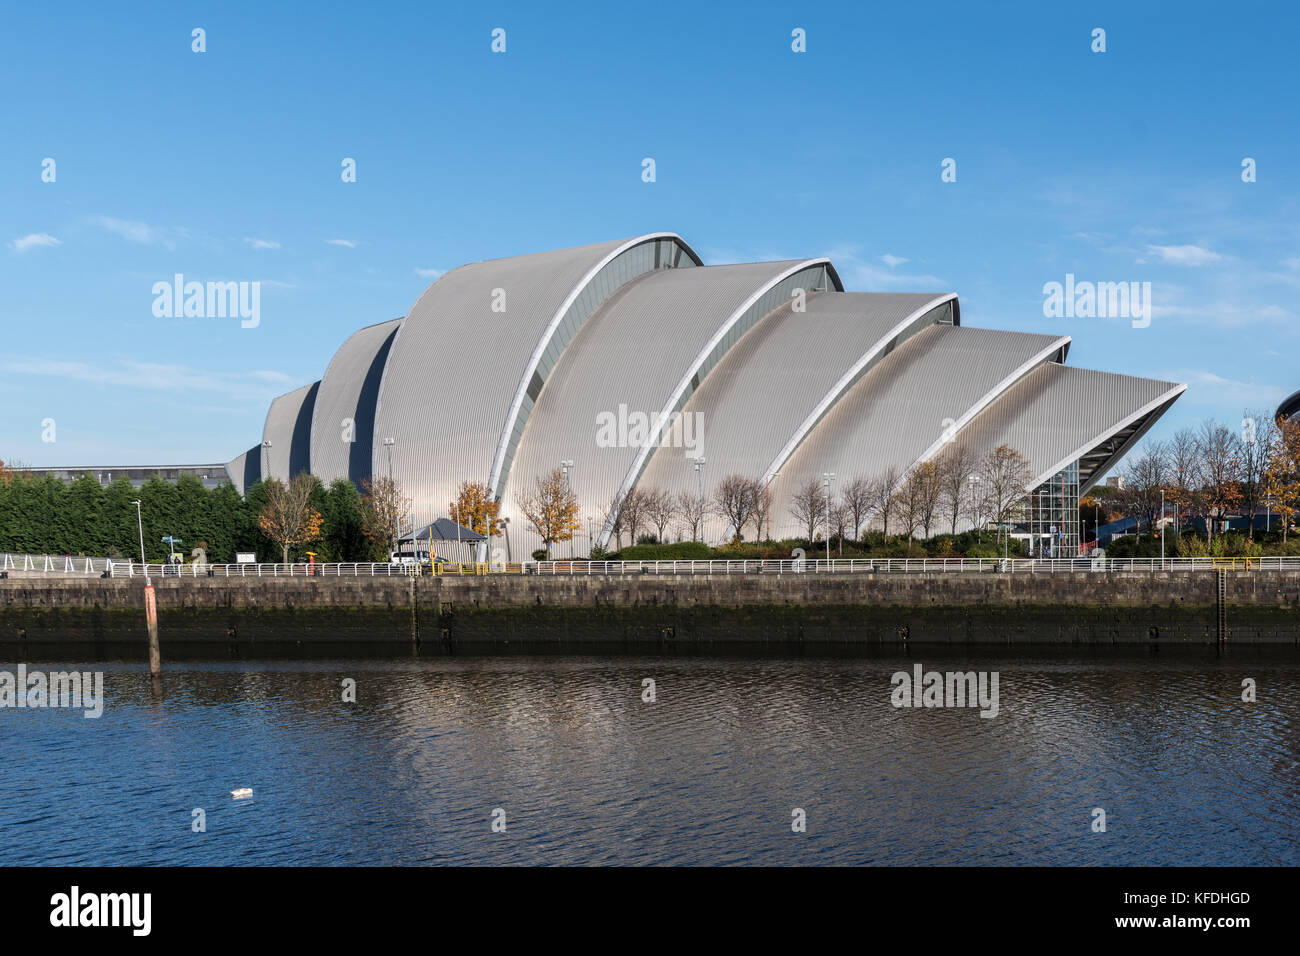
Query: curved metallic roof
[288,429]
[343,416]
[599,347]
[1290,405]
[453,336]
[902,412]
[245,470]
[641,355]
[784,373]
[1057,414]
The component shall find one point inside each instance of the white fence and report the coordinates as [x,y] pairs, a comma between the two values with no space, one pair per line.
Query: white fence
[63,565]
[50,563]
[129,569]
[915,566]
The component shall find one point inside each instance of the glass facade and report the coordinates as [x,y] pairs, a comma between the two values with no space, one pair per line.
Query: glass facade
[1048,519]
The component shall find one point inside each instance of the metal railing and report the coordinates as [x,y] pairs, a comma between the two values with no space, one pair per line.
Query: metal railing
[914,565]
[48,564]
[51,564]
[131,569]
[717,566]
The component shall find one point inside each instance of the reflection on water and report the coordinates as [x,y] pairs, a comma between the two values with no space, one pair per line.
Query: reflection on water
[709,773]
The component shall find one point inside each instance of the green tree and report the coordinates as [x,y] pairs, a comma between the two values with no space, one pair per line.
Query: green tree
[344,535]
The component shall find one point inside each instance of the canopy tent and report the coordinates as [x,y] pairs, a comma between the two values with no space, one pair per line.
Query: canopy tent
[446,531]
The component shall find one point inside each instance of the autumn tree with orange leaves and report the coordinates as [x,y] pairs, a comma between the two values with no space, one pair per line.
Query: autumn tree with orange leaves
[551,508]
[476,509]
[1282,473]
[288,518]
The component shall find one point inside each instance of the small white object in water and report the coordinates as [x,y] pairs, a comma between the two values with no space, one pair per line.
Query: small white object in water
[241,793]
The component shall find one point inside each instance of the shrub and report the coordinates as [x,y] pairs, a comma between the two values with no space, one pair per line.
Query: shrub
[681,551]
[1190,545]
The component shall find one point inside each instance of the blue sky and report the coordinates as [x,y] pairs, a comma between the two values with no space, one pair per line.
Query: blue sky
[225,165]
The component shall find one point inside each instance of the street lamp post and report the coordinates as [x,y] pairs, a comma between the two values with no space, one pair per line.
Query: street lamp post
[140,524]
[565,467]
[827,478]
[974,507]
[1162,529]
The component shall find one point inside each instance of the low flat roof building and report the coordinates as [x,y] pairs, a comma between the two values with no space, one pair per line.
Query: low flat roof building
[210,475]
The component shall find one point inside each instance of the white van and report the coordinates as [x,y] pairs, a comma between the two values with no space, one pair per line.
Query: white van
[413,557]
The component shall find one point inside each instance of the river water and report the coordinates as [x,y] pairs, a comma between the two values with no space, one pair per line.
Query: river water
[581,769]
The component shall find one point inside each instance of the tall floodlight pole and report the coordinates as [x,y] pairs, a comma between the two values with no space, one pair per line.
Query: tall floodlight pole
[266,460]
[392,492]
[767,493]
[699,477]
[974,506]
[827,478]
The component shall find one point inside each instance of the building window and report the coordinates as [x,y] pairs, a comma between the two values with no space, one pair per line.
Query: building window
[1048,518]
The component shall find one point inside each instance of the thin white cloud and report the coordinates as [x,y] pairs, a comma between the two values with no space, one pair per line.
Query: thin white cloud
[859,273]
[1185,255]
[347,243]
[33,241]
[892,261]
[141,232]
[428,273]
[856,272]
[1205,387]
[262,243]
[258,385]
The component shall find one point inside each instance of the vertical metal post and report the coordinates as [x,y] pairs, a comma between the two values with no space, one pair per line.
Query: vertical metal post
[827,478]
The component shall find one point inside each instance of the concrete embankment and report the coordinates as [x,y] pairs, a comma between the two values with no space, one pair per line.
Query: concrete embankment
[1199,607]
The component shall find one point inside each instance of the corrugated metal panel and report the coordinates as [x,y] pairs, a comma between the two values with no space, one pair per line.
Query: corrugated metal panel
[348,392]
[771,382]
[1057,413]
[899,411]
[452,337]
[636,258]
[245,470]
[288,429]
[634,353]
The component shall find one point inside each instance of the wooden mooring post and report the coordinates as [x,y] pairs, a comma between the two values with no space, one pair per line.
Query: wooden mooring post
[151,619]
